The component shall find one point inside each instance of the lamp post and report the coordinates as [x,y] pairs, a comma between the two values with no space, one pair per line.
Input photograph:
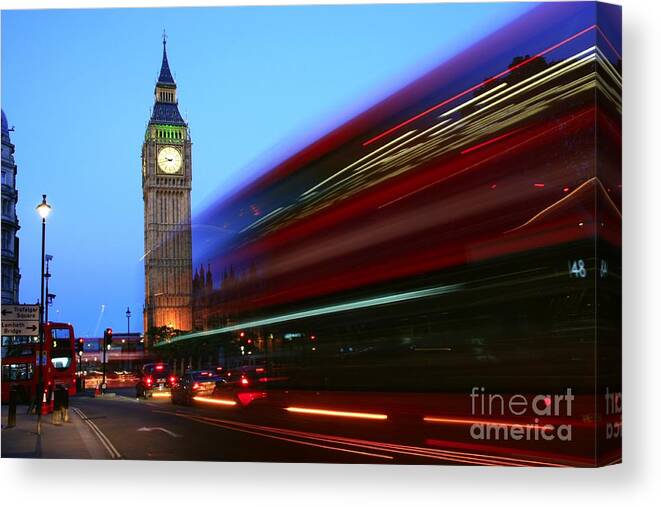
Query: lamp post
[47,275]
[44,210]
[128,332]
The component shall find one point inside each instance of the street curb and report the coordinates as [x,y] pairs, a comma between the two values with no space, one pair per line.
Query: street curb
[105,441]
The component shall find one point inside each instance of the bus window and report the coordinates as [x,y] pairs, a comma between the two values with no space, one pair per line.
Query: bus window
[13,372]
[18,346]
[61,338]
[61,363]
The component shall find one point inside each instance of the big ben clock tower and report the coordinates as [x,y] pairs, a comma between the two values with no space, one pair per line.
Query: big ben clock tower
[166,186]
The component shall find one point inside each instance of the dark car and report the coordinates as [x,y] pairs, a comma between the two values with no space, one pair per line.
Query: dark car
[195,383]
[244,385]
[155,380]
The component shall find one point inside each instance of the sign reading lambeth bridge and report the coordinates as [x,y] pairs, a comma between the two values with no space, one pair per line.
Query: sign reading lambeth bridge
[20,320]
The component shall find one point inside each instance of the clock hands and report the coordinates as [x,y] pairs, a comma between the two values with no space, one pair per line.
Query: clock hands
[169,164]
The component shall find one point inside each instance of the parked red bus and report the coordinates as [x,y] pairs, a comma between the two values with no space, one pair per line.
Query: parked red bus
[19,361]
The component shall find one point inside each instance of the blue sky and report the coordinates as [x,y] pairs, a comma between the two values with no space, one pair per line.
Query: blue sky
[255,83]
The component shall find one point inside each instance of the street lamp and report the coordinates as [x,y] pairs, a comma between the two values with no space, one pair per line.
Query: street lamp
[128,332]
[128,320]
[44,210]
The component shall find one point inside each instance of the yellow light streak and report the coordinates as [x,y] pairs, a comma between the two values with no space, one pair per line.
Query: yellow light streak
[214,401]
[336,413]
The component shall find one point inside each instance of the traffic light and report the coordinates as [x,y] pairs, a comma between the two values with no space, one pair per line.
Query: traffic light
[80,346]
[107,338]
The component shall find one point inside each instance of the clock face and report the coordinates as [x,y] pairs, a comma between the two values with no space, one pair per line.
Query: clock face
[169,160]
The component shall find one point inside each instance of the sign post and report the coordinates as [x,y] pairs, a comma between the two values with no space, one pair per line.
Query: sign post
[24,320]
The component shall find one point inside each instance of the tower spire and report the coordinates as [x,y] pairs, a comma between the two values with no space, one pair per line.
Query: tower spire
[166,111]
[165,76]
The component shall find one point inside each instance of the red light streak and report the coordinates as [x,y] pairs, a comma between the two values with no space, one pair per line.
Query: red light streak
[538,185]
[594,180]
[336,413]
[486,143]
[609,42]
[477,86]
[296,436]
[535,137]
[527,458]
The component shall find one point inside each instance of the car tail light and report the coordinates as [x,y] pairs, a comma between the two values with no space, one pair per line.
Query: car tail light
[159,367]
[173,379]
[148,381]
[244,381]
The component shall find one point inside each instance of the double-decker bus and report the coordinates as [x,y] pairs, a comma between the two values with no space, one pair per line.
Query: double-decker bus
[19,361]
[458,243]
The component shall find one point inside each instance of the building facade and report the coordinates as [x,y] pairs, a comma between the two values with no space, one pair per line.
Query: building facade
[166,187]
[11,276]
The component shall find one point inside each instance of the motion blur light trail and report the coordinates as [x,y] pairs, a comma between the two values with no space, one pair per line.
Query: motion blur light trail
[214,401]
[367,303]
[336,413]
[484,83]
[308,438]
[452,236]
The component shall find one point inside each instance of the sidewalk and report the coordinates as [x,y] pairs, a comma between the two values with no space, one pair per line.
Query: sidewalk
[72,440]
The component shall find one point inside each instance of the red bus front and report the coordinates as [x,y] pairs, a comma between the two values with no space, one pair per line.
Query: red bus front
[60,347]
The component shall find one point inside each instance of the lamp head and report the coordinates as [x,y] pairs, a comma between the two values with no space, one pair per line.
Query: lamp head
[44,208]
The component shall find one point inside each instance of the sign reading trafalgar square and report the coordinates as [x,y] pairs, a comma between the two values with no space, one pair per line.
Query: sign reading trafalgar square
[20,320]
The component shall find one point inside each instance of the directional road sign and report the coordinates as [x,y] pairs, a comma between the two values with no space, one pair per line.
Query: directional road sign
[20,320]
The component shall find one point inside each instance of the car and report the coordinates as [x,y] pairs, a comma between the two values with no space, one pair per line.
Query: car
[195,383]
[154,379]
[243,385]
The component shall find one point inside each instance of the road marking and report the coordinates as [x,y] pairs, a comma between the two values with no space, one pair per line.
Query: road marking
[171,433]
[361,444]
[275,437]
[421,452]
[114,453]
[292,440]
